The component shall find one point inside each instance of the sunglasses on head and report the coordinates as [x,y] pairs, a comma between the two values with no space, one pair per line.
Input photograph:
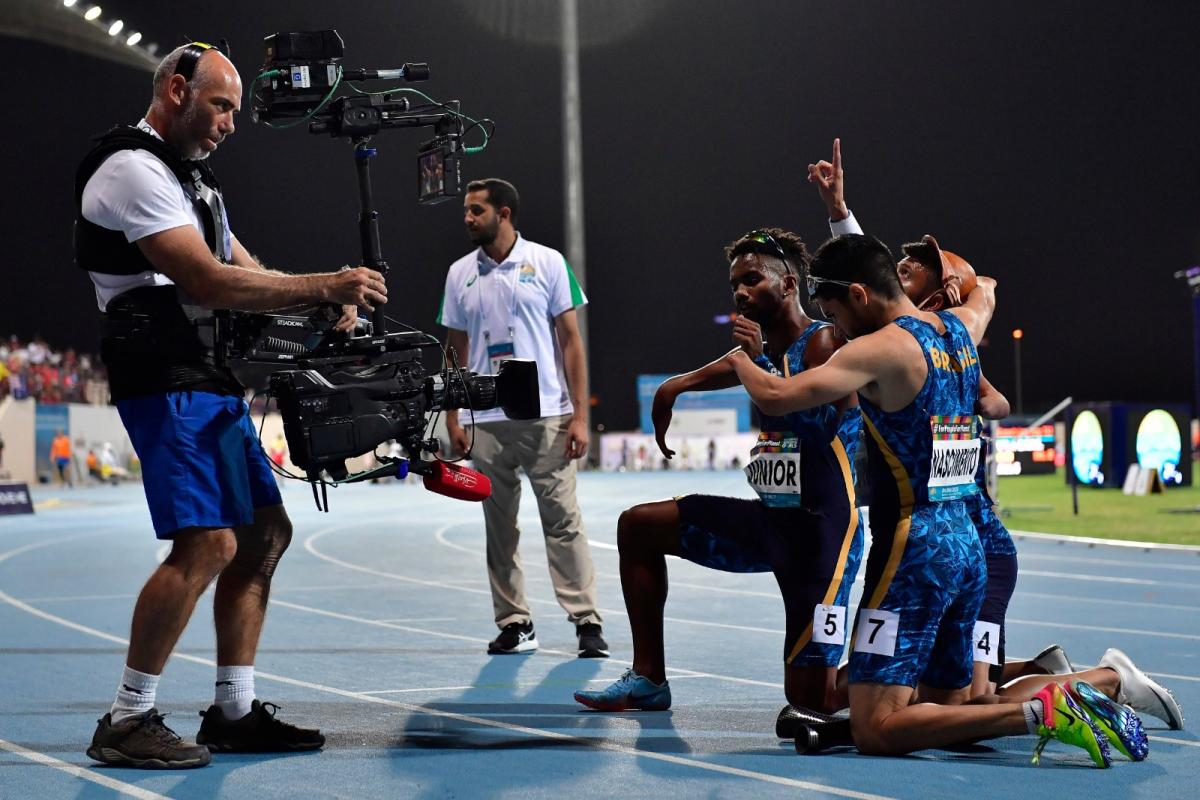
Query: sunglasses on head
[764,237]
[815,281]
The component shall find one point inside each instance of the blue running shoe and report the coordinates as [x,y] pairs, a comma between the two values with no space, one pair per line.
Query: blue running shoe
[630,692]
[1119,723]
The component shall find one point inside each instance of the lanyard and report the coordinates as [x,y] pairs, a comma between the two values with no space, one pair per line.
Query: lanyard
[512,318]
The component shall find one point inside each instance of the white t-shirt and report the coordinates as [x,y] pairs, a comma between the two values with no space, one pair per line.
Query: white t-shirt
[515,303]
[136,193]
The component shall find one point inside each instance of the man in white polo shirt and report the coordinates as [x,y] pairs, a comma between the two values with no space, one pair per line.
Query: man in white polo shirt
[512,298]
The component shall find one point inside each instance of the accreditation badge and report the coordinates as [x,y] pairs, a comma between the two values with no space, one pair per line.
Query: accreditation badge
[955,458]
[501,351]
[774,469]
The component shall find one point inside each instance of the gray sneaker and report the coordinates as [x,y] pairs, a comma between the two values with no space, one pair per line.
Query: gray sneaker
[144,742]
[1054,660]
[1140,692]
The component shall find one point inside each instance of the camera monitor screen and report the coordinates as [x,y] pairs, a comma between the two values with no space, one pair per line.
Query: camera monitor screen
[431,178]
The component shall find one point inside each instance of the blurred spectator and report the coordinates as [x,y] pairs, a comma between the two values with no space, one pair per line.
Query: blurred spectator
[110,470]
[36,370]
[60,457]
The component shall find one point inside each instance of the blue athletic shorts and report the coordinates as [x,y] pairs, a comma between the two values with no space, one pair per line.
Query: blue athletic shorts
[814,557]
[917,616]
[202,464]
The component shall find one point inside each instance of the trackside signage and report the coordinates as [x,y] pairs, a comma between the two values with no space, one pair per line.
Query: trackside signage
[15,499]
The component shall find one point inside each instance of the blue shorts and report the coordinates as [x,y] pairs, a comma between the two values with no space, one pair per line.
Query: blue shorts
[995,537]
[202,463]
[918,613]
[815,559]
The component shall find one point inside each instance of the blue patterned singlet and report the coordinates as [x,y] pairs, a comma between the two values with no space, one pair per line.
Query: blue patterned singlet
[925,571]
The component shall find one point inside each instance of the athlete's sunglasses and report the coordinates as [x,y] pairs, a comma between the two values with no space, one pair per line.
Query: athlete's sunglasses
[815,281]
[764,237]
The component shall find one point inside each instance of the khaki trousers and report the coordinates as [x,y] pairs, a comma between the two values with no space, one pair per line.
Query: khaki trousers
[536,446]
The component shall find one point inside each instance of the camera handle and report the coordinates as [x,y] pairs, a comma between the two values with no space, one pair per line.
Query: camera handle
[368,224]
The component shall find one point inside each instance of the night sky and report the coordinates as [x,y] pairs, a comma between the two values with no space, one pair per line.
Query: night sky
[1053,144]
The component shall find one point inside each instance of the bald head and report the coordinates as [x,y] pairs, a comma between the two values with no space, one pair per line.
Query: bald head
[213,65]
[194,116]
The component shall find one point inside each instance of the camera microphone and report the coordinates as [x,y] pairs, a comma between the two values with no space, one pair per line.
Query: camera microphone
[457,481]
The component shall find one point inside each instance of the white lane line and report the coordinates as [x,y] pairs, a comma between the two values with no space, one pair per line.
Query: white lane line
[1169,676]
[1110,562]
[423,619]
[518,685]
[311,548]
[1091,540]
[69,598]
[467,718]
[1103,600]
[1169,740]
[440,536]
[423,689]
[478,641]
[126,789]
[1132,631]
[1077,576]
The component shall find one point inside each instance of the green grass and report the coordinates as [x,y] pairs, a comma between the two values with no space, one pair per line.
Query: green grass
[1043,503]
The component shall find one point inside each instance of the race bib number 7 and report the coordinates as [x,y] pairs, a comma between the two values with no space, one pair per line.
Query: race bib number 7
[955,458]
[877,631]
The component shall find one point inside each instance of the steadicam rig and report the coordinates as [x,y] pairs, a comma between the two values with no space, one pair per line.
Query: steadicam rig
[344,395]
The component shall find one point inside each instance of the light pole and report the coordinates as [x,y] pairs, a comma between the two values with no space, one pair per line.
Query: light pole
[1018,335]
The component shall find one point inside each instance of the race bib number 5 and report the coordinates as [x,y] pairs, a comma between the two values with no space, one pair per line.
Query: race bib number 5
[955,458]
[774,469]
[829,624]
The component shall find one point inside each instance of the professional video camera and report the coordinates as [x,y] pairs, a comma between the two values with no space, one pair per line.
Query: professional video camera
[303,71]
[344,395]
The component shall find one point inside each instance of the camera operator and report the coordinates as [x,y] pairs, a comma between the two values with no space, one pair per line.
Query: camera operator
[153,234]
[513,298]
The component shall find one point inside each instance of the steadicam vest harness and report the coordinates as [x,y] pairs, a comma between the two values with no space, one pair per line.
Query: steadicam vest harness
[154,339]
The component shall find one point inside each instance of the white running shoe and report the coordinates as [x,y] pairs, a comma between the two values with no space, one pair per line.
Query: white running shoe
[1140,692]
[1054,660]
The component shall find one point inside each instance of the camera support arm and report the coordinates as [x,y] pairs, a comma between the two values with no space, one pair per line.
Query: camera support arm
[360,118]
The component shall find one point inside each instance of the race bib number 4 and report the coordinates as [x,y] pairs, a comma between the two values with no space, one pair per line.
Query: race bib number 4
[774,469]
[987,642]
[877,632]
[955,458]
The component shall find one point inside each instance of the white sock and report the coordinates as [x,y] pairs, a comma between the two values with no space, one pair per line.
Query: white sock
[135,694]
[235,691]
[1035,712]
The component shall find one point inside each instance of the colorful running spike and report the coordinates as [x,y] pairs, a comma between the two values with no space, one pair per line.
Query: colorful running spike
[630,692]
[1119,723]
[1064,720]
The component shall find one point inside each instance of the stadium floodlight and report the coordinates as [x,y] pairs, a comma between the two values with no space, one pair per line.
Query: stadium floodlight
[88,27]
[133,39]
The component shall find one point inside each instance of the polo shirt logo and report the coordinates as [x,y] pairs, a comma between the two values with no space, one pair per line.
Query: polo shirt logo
[528,274]
[471,282]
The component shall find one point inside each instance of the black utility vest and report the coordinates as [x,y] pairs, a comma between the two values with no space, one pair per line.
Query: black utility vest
[151,340]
